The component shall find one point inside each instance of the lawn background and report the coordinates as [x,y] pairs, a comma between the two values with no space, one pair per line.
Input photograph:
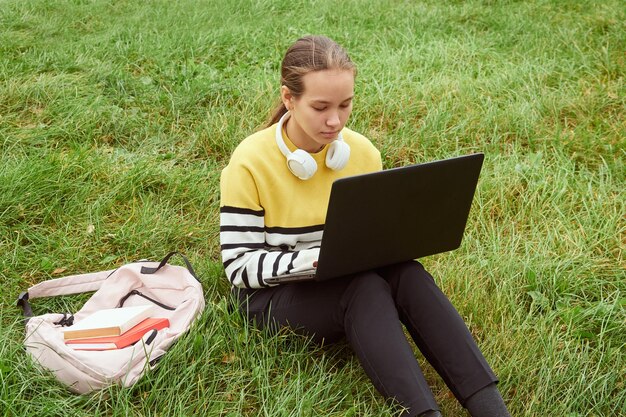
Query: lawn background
[116,118]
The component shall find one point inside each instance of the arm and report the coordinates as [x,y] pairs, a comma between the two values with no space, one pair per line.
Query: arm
[247,258]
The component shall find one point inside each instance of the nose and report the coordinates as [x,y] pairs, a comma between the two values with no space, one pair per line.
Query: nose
[333,120]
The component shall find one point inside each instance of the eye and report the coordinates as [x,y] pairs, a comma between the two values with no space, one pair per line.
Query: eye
[319,108]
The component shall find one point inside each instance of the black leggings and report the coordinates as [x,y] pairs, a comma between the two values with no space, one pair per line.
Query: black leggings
[368,309]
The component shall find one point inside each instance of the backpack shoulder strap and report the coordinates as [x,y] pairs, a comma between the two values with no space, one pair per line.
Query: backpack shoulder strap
[74,284]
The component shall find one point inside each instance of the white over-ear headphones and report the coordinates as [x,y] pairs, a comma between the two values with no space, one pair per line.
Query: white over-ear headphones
[302,165]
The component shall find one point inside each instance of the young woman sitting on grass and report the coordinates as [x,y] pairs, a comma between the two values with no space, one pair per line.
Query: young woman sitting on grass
[272,218]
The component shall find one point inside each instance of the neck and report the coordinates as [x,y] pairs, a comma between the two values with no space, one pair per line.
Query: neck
[296,137]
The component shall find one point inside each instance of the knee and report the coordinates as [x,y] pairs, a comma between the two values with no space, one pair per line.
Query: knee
[409,280]
[367,291]
[411,273]
[368,284]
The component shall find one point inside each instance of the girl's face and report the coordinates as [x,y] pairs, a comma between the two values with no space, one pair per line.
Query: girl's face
[319,114]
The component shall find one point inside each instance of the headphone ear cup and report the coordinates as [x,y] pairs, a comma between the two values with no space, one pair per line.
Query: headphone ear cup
[338,155]
[301,164]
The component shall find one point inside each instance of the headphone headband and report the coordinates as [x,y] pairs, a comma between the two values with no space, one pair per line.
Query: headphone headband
[279,135]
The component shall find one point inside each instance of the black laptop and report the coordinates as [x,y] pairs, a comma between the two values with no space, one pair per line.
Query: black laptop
[395,215]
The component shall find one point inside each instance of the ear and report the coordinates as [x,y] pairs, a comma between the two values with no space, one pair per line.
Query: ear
[286,97]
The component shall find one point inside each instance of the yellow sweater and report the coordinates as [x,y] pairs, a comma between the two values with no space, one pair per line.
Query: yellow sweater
[271,222]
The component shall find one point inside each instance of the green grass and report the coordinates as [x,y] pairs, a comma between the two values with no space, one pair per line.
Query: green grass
[116,118]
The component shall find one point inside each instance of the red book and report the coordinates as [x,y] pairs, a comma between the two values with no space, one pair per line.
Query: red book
[118,342]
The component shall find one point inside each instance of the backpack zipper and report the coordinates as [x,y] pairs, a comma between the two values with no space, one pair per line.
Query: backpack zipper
[139,293]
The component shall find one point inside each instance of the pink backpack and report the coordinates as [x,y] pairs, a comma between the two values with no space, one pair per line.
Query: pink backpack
[174,290]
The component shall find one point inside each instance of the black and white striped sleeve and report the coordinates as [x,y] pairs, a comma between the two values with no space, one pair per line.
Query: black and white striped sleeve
[245,254]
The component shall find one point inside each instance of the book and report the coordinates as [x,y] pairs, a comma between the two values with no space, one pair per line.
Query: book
[108,322]
[118,342]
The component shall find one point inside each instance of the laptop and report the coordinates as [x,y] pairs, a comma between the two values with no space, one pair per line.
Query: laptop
[395,215]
